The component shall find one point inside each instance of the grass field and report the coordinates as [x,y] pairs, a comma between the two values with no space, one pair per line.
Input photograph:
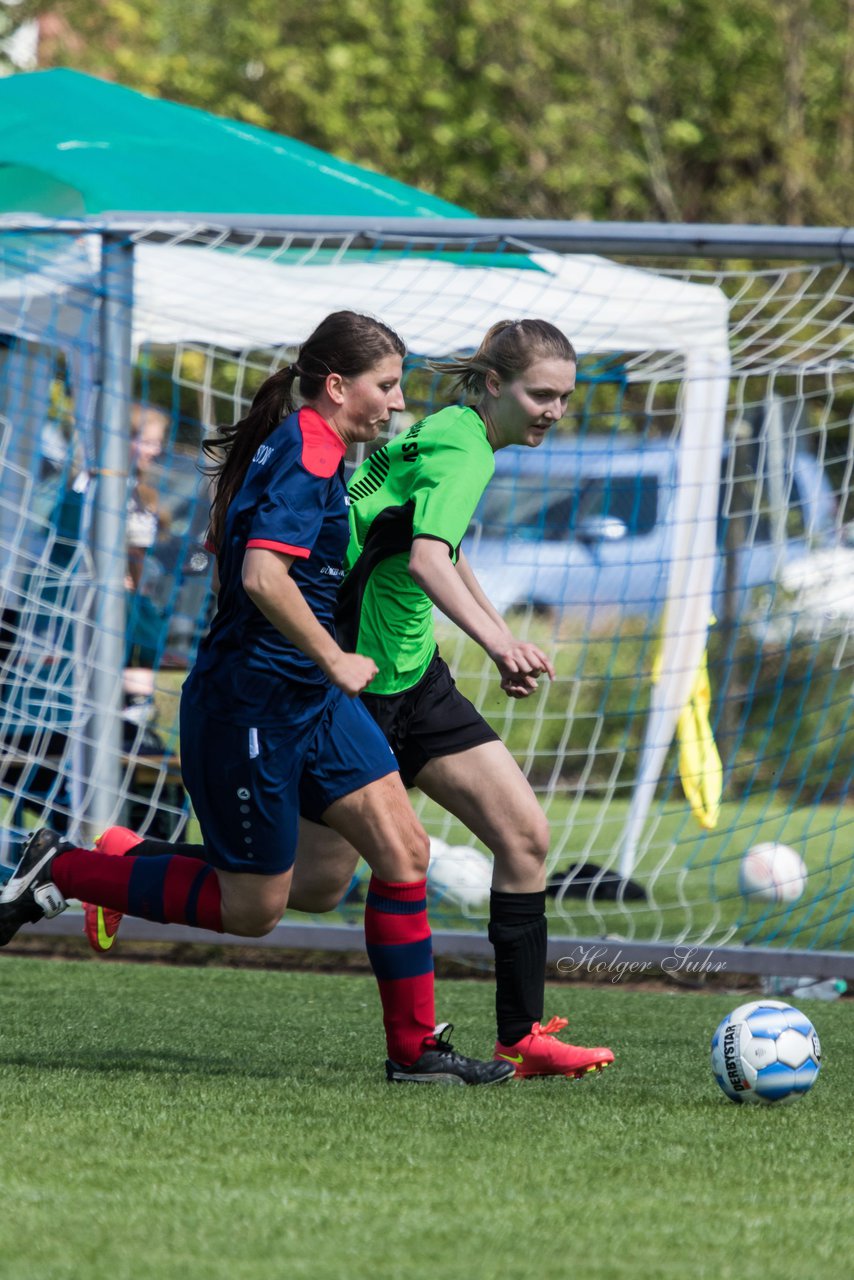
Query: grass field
[211,1124]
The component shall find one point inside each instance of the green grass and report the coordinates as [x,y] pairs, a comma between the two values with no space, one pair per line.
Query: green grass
[208,1124]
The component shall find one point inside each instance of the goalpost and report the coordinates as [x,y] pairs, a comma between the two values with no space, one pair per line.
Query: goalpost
[692,513]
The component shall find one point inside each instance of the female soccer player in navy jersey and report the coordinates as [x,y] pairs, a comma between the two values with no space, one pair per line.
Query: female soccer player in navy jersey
[272,729]
[412,502]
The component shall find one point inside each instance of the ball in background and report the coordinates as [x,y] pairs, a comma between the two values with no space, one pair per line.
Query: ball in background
[772,873]
[459,875]
[765,1052]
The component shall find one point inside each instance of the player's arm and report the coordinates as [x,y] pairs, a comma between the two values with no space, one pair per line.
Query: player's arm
[518,662]
[467,574]
[268,583]
[514,685]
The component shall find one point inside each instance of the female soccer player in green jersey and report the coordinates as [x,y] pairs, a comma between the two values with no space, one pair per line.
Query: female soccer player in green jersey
[411,504]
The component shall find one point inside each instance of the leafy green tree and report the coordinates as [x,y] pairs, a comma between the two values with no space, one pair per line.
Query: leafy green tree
[662,109]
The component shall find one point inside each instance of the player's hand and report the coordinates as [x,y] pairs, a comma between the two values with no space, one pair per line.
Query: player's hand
[520,663]
[351,672]
[519,686]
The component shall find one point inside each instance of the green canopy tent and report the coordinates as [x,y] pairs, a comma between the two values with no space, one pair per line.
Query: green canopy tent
[71,144]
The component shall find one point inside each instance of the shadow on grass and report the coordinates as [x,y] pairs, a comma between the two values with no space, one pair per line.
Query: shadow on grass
[114,1061]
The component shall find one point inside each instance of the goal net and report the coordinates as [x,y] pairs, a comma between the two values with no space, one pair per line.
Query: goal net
[681,545]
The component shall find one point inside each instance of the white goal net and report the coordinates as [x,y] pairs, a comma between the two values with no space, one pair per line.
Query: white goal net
[682,545]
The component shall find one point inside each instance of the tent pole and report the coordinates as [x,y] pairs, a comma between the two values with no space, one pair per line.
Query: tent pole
[108,533]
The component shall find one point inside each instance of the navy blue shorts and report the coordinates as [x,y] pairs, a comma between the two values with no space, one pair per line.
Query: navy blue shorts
[249,787]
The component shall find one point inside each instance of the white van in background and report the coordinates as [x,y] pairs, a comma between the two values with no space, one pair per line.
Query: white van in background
[582,526]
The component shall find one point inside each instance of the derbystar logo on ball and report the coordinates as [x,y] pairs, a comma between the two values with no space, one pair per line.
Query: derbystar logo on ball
[765,1052]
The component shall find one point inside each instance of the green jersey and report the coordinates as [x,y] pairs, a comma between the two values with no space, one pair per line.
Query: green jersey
[426,482]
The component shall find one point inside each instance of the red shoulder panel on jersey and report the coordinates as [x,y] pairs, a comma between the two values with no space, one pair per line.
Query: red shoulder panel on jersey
[322,448]
[284,548]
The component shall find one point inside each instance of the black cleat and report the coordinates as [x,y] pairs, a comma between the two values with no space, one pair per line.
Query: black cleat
[440,1064]
[15,914]
[29,894]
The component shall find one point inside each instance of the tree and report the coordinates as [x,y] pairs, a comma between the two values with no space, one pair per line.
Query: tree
[666,109]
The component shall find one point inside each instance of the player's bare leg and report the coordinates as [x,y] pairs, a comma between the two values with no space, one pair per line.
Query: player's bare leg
[324,868]
[253,905]
[485,788]
[379,821]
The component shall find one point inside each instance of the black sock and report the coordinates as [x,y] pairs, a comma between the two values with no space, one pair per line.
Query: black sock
[519,934]
[151,848]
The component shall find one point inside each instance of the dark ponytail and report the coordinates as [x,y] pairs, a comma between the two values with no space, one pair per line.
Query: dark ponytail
[346,343]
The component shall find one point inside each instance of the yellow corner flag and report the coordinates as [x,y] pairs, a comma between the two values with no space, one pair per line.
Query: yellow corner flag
[700,765]
[700,768]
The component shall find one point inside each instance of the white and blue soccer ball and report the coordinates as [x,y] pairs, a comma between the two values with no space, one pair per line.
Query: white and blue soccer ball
[767,1052]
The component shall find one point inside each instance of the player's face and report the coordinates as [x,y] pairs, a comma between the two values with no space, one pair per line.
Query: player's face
[371,398]
[526,407]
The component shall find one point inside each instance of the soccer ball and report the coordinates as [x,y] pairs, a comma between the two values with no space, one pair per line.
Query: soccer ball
[459,874]
[765,1052]
[773,873]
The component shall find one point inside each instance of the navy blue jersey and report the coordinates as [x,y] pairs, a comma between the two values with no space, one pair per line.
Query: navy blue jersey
[292,500]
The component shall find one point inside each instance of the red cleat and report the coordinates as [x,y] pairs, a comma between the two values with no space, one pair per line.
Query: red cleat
[101,924]
[542,1054]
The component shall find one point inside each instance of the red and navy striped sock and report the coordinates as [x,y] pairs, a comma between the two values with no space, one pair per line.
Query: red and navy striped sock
[400,949]
[171,889]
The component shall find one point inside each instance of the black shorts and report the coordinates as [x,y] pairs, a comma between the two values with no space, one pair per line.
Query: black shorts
[430,720]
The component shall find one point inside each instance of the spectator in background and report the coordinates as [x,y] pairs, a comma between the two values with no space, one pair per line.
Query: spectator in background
[145,630]
[145,518]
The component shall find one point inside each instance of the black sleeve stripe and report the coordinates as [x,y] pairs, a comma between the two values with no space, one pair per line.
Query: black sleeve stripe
[435,537]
